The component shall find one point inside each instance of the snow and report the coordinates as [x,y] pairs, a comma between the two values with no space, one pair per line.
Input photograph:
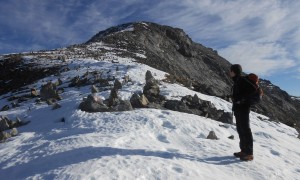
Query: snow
[138,144]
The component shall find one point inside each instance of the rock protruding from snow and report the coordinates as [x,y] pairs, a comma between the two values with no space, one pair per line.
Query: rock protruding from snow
[33,92]
[94,89]
[212,135]
[93,104]
[48,91]
[115,103]
[113,99]
[117,84]
[8,128]
[122,106]
[148,76]
[151,89]
[194,105]
[139,101]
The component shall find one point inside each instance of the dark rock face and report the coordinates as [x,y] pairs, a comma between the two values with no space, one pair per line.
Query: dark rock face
[15,73]
[171,50]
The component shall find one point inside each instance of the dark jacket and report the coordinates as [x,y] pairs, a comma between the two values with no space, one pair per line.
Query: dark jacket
[241,90]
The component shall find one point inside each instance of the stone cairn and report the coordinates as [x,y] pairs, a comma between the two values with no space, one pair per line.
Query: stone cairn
[93,103]
[49,93]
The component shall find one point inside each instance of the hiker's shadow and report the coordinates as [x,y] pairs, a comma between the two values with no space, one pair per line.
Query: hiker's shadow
[222,160]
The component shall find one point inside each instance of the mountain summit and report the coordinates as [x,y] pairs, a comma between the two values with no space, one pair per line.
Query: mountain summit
[192,64]
[171,50]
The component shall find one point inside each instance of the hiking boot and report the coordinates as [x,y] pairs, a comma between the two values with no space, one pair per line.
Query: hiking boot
[239,154]
[247,158]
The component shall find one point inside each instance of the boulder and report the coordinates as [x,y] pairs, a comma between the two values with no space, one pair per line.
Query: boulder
[212,135]
[48,91]
[113,99]
[148,76]
[181,106]
[231,137]
[93,104]
[194,105]
[4,123]
[33,92]
[196,100]
[94,89]
[4,135]
[122,106]
[14,132]
[75,82]
[226,117]
[151,88]
[139,101]
[117,84]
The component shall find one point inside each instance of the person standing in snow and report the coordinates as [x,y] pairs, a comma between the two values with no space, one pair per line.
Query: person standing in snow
[241,110]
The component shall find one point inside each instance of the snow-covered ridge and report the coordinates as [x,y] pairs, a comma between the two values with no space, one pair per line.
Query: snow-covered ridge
[139,144]
[113,30]
[295,98]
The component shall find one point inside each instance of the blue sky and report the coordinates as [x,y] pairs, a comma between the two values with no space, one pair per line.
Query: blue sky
[262,36]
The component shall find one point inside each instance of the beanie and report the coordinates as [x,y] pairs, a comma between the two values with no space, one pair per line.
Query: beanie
[237,69]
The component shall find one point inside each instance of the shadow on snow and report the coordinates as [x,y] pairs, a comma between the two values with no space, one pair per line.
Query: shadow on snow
[41,165]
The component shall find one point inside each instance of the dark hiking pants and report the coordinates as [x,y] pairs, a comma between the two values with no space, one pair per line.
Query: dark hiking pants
[241,113]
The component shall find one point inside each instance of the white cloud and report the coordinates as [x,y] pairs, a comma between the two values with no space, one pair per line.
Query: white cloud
[261,58]
[263,36]
[229,20]
[219,24]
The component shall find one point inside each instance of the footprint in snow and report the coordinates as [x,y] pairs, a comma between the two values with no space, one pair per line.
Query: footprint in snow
[172,150]
[275,153]
[162,138]
[178,169]
[168,124]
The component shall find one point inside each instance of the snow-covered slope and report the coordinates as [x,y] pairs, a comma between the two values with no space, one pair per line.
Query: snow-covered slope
[139,144]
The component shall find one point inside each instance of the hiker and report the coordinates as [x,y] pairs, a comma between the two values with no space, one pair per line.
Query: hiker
[241,109]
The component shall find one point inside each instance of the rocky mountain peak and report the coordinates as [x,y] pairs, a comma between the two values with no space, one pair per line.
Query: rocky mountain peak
[171,50]
[192,64]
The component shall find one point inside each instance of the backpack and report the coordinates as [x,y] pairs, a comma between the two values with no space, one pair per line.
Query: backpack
[256,95]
